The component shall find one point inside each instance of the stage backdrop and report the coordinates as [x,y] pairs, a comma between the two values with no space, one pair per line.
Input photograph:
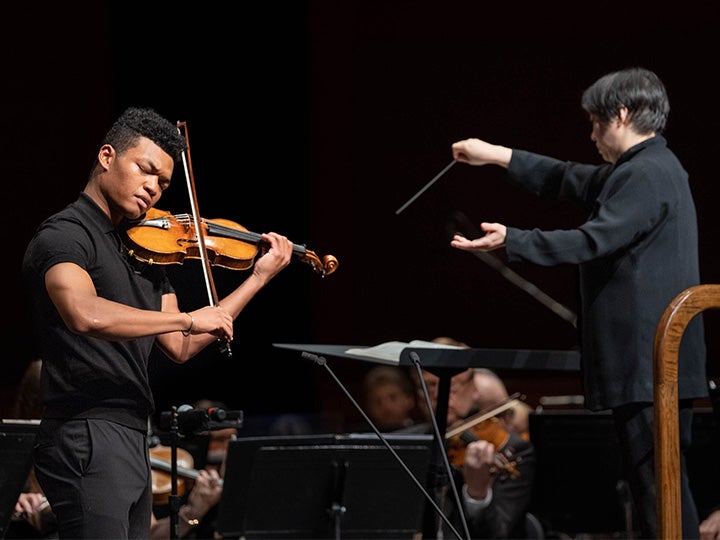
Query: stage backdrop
[319,121]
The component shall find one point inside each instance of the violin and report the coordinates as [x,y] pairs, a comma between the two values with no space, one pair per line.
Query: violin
[160,461]
[163,238]
[488,430]
[485,426]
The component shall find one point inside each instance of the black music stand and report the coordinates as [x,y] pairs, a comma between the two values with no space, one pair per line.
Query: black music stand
[322,486]
[448,362]
[513,359]
[16,443]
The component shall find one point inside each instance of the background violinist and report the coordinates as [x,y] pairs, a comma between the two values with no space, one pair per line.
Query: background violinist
[97,314]
[495,501]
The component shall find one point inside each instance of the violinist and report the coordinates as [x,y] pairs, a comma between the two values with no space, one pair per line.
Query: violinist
[494,474]
[97,314]
[389,398]
[491,390]
[203,497]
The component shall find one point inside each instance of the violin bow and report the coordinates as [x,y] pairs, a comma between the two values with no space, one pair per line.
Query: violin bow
[207,271]
[484,415]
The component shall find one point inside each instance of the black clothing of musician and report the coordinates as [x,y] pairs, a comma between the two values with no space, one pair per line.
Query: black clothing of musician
[637,251]
[502,513]
[97,315]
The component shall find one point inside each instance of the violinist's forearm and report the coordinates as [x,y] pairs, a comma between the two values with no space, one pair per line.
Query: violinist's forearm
[235,302]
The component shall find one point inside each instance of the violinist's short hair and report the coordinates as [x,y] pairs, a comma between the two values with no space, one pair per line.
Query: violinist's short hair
[137,122]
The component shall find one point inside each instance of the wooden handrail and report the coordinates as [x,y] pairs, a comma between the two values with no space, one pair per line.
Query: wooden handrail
[671,328]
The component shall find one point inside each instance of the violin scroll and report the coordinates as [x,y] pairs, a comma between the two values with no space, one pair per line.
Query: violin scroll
[324,267]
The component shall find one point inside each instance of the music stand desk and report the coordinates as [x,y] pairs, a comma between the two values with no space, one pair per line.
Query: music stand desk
[448,362]
[514,359]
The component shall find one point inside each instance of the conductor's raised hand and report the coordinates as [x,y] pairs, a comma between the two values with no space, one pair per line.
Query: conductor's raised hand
[494,238]
[479,152]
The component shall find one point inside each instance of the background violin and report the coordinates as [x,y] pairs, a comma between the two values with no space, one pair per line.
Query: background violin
[490,430]
[485,425]
[160,461]
[163,238]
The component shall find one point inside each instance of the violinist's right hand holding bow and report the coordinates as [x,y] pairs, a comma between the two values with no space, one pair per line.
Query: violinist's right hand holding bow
[479,469]
[216,322]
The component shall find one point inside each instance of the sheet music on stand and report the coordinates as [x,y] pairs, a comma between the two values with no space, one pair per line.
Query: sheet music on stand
[391,350]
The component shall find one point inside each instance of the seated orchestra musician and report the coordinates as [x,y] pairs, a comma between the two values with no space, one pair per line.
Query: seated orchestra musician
[389,398]
[493,466]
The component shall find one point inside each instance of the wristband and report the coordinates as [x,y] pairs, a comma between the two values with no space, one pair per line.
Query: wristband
[186,333]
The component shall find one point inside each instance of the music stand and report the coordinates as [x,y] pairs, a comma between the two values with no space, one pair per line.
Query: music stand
[16,443]
[322,487]
[567,442]
[448,362]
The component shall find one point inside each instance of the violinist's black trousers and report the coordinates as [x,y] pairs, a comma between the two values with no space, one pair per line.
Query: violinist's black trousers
[96,476]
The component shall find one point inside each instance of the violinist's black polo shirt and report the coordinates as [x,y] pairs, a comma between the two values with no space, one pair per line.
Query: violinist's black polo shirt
[85,377]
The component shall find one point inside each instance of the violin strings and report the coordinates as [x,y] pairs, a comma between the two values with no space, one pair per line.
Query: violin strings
[228,232]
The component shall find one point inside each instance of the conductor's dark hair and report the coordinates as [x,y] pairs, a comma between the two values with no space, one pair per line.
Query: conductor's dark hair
[135,122]
[637,89]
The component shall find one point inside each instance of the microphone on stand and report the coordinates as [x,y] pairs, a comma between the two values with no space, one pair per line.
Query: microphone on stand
[192,420]
[319,360]
[223,419]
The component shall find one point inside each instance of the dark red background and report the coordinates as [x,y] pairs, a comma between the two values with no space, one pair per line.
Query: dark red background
[319,120]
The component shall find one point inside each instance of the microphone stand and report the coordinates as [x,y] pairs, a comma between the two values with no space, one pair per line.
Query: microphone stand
[174,498]
[440,446]
[321,361]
